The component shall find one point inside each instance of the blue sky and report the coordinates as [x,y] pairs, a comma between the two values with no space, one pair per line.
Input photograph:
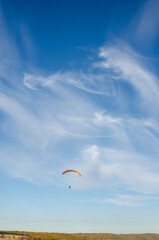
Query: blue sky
[79,89]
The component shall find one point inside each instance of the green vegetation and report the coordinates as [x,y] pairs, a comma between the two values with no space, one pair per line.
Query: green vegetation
[86,236]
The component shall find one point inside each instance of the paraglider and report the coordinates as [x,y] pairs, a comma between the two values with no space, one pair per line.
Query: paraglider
[70,170]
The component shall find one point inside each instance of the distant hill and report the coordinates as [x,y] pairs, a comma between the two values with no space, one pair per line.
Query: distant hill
[75,236]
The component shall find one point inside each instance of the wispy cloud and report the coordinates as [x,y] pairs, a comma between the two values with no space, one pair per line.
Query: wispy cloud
[127,200]
[27,42]
[126,66]
[112,168]
[9,53]
[147,30]
[87,82]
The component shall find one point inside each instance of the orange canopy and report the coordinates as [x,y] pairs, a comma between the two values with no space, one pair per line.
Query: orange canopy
[71,171]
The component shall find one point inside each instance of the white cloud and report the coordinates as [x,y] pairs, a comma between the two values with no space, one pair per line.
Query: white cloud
[87,82]
[112,168]
[124,64]
[127,200]
[148,24]
[103,119]
[9,54]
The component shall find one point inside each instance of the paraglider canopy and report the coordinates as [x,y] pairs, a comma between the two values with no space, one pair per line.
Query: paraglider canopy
[70,170]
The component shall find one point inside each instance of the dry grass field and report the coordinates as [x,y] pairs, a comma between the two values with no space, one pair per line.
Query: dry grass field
[77,236]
